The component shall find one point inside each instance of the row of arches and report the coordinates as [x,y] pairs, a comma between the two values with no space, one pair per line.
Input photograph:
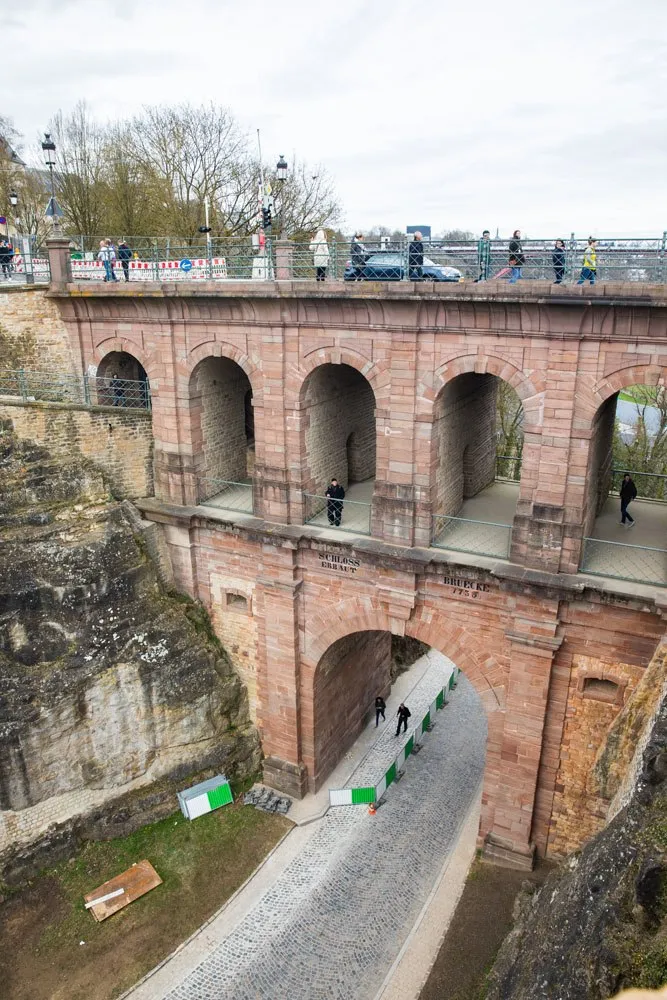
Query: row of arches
[337,411]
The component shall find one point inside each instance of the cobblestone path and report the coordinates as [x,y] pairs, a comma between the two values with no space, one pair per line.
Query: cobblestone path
[335,920]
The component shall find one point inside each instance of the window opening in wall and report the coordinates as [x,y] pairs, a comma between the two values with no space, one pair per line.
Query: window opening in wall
[600,689]
[237,602]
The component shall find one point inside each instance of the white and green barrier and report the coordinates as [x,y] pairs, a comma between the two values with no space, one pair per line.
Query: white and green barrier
[368,794]
[205,797]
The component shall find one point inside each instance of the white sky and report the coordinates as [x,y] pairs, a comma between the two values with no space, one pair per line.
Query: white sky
[548,117]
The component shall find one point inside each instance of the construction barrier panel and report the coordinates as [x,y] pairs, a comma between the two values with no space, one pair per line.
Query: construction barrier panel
[205,797]
[371,794]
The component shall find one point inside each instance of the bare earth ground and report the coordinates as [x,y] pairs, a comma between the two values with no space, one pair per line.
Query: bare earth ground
[201,864]
[482,919]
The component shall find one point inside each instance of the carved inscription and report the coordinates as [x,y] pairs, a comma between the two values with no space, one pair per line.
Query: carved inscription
[341,564]
[465,588]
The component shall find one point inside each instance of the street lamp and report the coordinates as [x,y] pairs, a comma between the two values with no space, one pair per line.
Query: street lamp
[49,150]
[281,169]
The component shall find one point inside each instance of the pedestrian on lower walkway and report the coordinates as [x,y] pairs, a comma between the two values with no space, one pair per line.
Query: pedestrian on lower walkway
[335,495]
[403,714]
[627,494]
[380,706]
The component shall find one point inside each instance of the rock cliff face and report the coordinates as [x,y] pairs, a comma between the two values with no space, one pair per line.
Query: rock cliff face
[107,683]
[600,923]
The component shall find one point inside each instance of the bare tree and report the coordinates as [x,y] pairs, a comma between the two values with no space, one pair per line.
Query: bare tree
[509,430]
[80,174]
[644,447]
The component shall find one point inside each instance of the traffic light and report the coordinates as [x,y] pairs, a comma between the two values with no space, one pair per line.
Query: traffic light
[266,217]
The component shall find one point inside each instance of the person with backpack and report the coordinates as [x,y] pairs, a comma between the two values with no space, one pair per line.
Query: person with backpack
[589,263]
[403,714]
[125,256]
[516,256]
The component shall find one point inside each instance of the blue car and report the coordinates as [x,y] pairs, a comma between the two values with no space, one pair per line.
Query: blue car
[388,265]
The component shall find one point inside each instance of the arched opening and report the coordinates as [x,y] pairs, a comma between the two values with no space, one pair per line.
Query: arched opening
[477,445]
[223,434]
[350,675]
[625,520]
[339,442]
[122,381]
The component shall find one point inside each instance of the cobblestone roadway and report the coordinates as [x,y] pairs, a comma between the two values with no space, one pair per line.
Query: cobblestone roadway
[333,923]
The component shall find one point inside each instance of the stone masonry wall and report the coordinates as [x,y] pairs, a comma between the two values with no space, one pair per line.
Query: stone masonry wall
[349,677]
[597,693]
[33,334]
[218,408]
[600,463]
[464,440]
[340,427]
[118,441]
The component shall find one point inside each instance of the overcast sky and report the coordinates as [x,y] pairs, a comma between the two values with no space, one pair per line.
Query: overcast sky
[548,116]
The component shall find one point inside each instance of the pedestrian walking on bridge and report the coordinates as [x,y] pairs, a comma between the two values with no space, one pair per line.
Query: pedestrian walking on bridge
[320,251]
[380,706]
[589,263]
[517,256]
[416,258]
[484,256]
[628,494]
[403,714]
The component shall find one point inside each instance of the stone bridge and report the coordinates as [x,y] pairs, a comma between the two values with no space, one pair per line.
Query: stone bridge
[272,388]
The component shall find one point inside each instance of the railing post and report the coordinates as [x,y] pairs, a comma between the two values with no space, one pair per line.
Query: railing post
[284,260]
[23,384]
[60,264]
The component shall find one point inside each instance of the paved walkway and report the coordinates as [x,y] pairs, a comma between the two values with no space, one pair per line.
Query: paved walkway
[337,911]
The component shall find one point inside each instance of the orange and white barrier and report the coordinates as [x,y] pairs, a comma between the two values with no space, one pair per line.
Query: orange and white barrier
[151,270]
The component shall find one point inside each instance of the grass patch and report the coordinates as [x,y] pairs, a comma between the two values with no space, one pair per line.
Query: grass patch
[201,863]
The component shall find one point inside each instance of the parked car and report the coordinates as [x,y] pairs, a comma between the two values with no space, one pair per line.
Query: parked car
[388,265]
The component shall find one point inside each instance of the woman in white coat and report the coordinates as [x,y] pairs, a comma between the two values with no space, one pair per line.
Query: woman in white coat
[320,251]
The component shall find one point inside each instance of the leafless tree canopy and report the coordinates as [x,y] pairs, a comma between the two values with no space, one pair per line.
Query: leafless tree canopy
[151,175]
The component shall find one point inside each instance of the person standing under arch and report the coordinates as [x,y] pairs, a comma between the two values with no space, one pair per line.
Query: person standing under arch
[335,495]
[628,494]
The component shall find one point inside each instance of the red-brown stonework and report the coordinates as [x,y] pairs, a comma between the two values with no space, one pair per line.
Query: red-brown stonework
[519,630]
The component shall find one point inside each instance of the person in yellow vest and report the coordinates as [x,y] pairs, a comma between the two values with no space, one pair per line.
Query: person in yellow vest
[589,263]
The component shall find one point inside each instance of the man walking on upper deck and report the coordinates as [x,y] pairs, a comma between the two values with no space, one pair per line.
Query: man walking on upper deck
[589,263]
[628,494]
[484,256]
[416,258]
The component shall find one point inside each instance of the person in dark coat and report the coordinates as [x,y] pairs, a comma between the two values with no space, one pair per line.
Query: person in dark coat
[484,256]
[558,261]
[416,258]
[125,256]
[358,255]
[335,494]
[627,494]
[6,257]
[517,257]
[118,389]
[403,714]
[380,706]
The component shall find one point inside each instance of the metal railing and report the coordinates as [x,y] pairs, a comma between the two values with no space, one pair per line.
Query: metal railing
[226,494]
[20,264]
[650,485]
[636,563]
[262,256]
[508,467]
[462,534]
[87,390]
[348,515]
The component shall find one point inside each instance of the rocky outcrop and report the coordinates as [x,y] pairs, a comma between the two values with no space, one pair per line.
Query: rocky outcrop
[600,922]
[108,684]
